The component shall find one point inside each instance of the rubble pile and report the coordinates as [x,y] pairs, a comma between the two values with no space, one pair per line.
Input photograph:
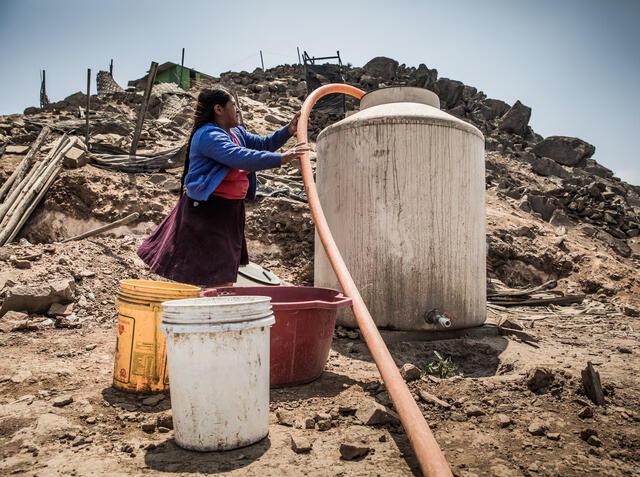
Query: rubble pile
[553,180]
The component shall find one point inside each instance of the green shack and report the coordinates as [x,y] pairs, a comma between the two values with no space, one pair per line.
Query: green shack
[173,73]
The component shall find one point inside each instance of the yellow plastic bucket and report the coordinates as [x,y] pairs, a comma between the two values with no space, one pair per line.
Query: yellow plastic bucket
[141,358]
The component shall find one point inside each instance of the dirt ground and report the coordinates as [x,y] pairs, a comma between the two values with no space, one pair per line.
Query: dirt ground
[484,429]
[59,414]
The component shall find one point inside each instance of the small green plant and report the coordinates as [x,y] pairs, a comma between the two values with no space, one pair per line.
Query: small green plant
[443,367]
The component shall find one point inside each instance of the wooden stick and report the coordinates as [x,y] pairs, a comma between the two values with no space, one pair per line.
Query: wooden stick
[16,191]
[86,135]
[529,291]
[143,107]
[104,228]
[564,300]
[20,171]
[15,217]
[35,203]
[38,172]
[233,92]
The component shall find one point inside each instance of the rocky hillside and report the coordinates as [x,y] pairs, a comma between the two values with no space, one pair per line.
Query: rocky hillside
[559,192]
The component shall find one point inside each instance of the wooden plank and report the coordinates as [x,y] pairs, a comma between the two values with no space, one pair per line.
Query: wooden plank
[104,228]
[143,107]
[561,300]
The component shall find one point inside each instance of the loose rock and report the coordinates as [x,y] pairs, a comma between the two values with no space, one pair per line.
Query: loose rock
[372,413]
[62,401]
[538,428]
[300,445]
[410,372]
[539,379]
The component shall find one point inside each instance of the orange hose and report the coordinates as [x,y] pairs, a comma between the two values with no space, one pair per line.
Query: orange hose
[430,457]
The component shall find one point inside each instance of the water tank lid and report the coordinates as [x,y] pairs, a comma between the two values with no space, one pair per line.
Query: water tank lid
[400,94]
[256,273]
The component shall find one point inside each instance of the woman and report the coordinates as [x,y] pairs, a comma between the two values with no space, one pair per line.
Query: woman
[201,242]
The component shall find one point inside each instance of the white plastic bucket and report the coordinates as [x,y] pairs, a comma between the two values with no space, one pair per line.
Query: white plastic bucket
[218,356]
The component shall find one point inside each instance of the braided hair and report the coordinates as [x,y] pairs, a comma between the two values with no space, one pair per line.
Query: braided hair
[204,114]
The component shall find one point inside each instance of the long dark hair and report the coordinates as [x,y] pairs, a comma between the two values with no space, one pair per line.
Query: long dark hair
[207,99]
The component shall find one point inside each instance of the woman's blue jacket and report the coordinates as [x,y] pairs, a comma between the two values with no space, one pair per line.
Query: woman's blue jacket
[213,154]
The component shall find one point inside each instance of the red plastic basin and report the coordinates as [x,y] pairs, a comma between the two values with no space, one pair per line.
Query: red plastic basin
[302,336]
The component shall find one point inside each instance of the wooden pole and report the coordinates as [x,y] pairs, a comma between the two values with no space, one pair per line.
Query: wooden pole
[261,60]
[37,187]
[43,90]
[182,68]
[111,68]
[35,202]
[299,60]
[86,135]
[143,107]
[21,171]
[13,197]
[104,228]
[239,108]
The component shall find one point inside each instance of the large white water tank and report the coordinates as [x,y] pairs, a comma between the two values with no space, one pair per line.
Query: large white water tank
[402,186]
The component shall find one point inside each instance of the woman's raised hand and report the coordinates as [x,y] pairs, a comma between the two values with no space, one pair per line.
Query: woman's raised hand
[295,152]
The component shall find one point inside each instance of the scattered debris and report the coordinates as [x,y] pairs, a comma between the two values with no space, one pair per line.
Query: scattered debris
[591,384]
[430,398]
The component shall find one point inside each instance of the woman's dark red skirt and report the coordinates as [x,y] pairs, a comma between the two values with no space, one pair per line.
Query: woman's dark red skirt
[200,242]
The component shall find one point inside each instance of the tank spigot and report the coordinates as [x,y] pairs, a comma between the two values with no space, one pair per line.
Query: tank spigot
[434,317]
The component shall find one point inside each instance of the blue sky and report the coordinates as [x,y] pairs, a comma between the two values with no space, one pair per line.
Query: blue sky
[575,63]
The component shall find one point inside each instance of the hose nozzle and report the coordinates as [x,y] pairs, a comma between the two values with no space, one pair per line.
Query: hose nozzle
[439,319]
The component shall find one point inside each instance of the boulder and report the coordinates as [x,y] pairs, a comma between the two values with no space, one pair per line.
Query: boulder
[568,151]
[595,169]
[425,78]
[516,120]
[496,108]
[544,166]
[382,67]
[560,218]
[619,246]
[543,205]
[449,92]
[38,299]
[76,99]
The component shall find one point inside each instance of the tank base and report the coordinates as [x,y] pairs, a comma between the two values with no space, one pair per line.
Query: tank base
[395,336]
